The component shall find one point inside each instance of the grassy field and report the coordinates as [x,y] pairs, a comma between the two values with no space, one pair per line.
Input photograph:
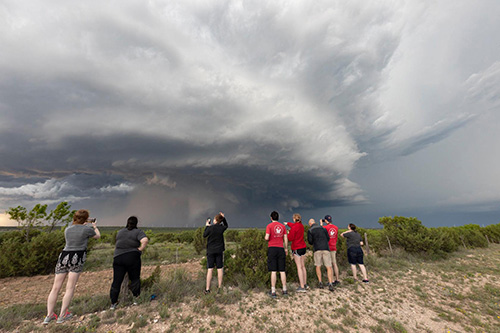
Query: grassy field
[405,294]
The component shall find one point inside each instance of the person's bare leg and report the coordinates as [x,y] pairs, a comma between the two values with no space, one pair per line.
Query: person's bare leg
[304,271]
[70,291]
[273,280]
[283,280]
[336,271]
[318,273]
[363,271]
[220,275]
[354,272]
[209,278]
[56,288]
[300,272]
[329,273]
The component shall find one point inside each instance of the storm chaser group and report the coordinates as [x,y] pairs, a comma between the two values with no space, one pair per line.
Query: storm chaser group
[322,237]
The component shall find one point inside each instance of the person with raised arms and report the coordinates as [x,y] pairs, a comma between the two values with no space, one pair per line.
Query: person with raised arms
[214,232]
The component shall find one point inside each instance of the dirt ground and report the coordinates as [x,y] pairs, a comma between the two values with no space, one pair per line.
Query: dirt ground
[461,294]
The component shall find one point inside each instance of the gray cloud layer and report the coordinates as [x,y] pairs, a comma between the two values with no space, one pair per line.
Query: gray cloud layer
[176,110]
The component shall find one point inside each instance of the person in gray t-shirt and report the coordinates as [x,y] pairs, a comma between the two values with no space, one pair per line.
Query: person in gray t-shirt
[354,251]
[130,242]
[70,262]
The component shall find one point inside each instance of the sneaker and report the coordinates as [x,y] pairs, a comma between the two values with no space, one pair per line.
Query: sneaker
[48,319]
[113,306]
[306,286]
[67,316]
[285,292]
[330,286]
[300,290]
[336,283]
[135,304]
[320,285]
[207,292]
[273,295]
[366,281]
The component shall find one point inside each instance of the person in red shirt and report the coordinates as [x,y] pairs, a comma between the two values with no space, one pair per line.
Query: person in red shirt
[333,232]
[298,245]
[276,252]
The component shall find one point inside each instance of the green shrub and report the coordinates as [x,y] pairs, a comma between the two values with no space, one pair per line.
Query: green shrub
[472,236]
[38,256]
[232,235]
[199,242]
[411,235]
[250,261]
[493,232]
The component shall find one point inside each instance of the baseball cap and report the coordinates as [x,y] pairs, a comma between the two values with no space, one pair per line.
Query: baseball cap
[328,218]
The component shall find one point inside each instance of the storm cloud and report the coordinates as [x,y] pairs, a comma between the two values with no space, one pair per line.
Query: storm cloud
[175,110]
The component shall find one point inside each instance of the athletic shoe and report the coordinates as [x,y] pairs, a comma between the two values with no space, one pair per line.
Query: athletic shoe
[320,285]
[300,290]
[366,281]
[67,316]
[273,295]
[135,303]
[207,292]
[306,286]
[285,292]
[330,286]
[336,283]
[113,306]
[48,319]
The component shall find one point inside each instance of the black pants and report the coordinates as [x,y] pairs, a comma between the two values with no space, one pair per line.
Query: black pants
[126,263]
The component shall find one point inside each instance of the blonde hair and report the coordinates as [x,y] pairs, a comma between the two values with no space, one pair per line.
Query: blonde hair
[297,218]
[80,216]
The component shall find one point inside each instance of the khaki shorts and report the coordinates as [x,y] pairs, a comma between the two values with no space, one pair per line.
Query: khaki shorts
[333,254]
[322,258]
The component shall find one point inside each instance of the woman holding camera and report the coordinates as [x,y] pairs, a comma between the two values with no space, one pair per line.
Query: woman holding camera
[70,263]
[296,237]
[130,242]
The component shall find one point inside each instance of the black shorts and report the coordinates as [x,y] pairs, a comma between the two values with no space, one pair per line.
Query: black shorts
[215,259]
[276,259]
[299,252]
[355,255]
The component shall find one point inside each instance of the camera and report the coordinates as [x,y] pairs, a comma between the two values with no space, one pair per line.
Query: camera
[92,220]
[209,220]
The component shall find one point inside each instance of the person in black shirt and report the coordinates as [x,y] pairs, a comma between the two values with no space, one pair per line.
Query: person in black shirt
[354,251]
[215,248]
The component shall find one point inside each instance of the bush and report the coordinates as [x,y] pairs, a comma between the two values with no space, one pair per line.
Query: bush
[38,256]
[493,232]
[411,235]
[199,242]
[471,235]
[233,235]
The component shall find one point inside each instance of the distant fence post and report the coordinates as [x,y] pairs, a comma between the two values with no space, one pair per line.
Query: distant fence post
[487,239]
[367,246]
[176,254]
[388,241]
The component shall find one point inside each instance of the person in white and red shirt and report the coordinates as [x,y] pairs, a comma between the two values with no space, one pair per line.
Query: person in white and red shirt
[333,232]
[276,252]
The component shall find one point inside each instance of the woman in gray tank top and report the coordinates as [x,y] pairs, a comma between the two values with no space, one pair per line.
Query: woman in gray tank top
[70,263]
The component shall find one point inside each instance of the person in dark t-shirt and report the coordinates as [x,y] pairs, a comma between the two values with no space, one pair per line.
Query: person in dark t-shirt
[354,251]
[215,248]
[130,242]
